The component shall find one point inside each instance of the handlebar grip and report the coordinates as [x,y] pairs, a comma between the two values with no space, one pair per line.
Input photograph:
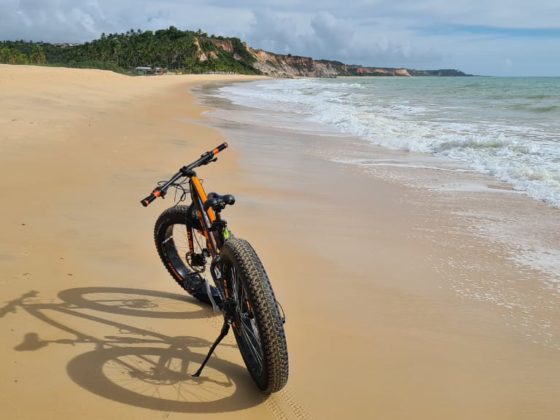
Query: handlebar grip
[146,201]
[153,195]
[219,148]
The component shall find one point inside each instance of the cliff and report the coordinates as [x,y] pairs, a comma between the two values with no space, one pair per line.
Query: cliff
[279,65]
[379,71]
[287,65]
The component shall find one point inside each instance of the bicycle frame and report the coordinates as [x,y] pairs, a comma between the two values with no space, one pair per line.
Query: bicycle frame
[214,229]
[206,218]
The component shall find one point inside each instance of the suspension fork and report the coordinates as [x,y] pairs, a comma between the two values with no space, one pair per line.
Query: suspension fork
[190,238]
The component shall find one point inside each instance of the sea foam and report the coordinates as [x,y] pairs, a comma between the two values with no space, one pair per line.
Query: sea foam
[506,128]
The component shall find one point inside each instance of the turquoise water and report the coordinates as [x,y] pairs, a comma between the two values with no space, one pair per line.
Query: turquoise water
[508,128]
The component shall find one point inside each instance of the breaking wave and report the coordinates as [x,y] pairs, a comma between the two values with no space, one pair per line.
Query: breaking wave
[474,121]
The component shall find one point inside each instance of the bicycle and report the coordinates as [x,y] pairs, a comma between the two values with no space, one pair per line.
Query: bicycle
[242,290]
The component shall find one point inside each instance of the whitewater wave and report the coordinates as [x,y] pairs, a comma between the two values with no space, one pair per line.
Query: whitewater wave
[469,127]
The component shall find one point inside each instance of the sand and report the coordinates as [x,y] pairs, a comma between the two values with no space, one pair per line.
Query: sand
[373,330]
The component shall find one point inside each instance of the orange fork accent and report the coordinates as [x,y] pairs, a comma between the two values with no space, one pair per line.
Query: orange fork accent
[202,194]
[206,233]
[190,239]
[210,212]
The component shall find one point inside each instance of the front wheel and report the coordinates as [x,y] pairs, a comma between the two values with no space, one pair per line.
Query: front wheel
[171,239]
[257,322]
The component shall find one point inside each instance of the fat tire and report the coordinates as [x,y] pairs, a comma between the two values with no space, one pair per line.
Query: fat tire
[252,274]
[177,215]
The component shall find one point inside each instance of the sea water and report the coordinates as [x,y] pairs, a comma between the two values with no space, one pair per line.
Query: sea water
[488,149]
[508,128]
[455,144]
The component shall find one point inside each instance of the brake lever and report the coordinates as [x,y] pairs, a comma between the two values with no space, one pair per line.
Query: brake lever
[210,161]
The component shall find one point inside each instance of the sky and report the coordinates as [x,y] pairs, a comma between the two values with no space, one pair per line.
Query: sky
[486,37]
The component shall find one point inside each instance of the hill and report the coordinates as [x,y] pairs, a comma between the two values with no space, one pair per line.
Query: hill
[187,52]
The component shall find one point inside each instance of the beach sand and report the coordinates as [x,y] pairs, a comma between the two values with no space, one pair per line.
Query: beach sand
[359,264]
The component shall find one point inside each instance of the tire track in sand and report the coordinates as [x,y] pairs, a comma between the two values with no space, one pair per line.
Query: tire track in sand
[284,406]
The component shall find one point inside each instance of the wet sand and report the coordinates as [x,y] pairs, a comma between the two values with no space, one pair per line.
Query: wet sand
[360,264]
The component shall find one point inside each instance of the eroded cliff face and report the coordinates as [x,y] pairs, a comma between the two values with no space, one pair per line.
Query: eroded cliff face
[281,65]
[224,44]
[276,65]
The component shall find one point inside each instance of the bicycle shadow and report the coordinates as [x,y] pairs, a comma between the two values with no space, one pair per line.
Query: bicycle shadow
[138,366]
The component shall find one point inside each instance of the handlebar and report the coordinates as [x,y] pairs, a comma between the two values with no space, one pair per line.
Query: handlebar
[186,170]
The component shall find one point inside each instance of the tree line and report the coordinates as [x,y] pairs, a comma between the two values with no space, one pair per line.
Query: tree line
[174,49]
[11,55]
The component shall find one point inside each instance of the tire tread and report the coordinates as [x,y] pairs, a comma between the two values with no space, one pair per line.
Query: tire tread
[173,215]
[266,308]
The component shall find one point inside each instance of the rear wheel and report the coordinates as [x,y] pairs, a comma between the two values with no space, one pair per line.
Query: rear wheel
[257,324]
[170,235]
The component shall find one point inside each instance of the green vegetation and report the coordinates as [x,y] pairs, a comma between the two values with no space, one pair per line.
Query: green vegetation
[11,55]
[440,72]
[173,49]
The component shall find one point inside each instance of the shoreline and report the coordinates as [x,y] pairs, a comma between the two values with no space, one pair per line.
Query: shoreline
[373,328]
[412,247]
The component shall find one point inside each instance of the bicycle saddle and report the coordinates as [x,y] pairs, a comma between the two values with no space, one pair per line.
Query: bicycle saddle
[218,202]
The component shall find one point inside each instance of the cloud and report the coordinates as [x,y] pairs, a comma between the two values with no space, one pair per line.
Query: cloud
[318,34]
[492,31]
[331,34]
[412,33]
[53,20]
[322,35]
[79,21]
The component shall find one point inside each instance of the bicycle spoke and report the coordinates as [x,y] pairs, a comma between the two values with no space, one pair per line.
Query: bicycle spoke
[246,328]
[252,331]
[253,346]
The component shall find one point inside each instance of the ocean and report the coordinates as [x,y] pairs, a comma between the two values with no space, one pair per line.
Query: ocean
[508,128]
[484,150]
[475,161]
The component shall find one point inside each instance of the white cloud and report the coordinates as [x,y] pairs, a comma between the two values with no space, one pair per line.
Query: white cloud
[322,35]
[375,32]
[54,20]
